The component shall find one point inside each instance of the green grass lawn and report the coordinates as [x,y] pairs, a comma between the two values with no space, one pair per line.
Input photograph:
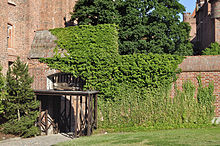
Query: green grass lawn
[206,136]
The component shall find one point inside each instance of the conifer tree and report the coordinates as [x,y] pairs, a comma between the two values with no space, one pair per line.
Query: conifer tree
[2,86]
[144,25]
[21,105]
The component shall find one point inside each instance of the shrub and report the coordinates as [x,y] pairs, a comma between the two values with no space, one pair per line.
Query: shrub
[22,107]
[214,49]
[24,127]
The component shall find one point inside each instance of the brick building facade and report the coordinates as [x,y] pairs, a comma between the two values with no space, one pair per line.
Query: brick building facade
[19,21]
[207,26]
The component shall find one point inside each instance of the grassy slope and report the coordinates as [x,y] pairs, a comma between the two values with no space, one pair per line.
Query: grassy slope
[208,136]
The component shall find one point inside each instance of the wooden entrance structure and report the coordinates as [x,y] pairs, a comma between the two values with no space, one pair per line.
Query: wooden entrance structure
[67,111]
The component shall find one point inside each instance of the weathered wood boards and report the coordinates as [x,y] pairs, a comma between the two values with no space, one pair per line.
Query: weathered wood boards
[71,111]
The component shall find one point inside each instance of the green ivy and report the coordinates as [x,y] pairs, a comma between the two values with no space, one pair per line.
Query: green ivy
[92,54]
[134,88]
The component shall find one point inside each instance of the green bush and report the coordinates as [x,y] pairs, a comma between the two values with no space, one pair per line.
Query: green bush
[24,127]
[92,54]
[214,49]
[155,109]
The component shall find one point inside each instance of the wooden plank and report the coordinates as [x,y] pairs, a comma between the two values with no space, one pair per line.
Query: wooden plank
[80,115]
[39,119]
[95,111]
[86,113]
[70,111]
[59,113]
[54,92]
[76,119]
[65,119]
[46,122]
[89,115]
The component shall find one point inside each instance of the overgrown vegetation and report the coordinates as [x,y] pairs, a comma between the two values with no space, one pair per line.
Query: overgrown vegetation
[155,109]
[144,25]
[134,88]
[214,49]
[21,111]
[92,55]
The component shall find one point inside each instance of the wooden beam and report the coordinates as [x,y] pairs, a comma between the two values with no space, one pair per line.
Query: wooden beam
[46,122]
[39,119]
[95,111]
[89,117]
[76,119]
[70,112]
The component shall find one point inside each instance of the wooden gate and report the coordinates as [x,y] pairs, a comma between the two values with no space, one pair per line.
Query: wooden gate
[78,115]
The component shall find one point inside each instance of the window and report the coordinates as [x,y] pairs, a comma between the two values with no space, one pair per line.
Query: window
[9,36]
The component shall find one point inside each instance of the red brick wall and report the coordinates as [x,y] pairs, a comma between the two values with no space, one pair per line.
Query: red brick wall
[188,17]
[26,17]
[208,67]
[3,34]
[205,26]
[39,71]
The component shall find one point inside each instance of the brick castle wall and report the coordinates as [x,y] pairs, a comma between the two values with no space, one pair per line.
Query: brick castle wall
[26,17]
[190,18]
[205,26]
[3,34]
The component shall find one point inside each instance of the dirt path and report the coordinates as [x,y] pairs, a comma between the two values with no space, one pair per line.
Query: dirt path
[36,141]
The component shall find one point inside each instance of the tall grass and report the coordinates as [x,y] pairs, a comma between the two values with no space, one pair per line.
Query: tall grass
[155,109]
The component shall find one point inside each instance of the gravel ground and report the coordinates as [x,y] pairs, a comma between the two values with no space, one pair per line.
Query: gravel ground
[36,141]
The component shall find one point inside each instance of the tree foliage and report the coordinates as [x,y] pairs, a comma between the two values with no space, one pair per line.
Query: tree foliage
[144,25]
[214,49]
[22,107]
[2,92]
